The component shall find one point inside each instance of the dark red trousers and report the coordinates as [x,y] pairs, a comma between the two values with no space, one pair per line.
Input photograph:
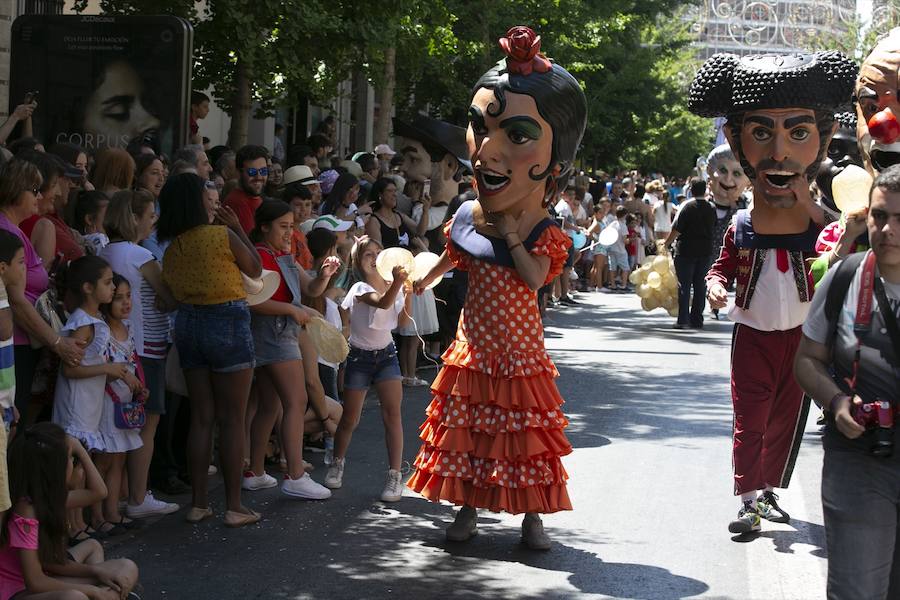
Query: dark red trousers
[769,407]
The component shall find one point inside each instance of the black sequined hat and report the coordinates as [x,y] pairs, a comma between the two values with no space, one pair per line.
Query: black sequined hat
[727,83]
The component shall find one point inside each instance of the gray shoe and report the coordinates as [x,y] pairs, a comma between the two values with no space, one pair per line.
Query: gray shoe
[533,534]
[465,527]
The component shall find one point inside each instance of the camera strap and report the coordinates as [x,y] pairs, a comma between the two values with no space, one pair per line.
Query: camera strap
[870,287]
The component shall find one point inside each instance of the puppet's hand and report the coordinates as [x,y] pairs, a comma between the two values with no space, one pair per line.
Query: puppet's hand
[506,223]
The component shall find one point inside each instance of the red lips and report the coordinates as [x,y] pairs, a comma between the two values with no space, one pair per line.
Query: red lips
[883,126]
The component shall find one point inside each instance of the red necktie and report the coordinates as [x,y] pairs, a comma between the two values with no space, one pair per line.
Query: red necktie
[782,260]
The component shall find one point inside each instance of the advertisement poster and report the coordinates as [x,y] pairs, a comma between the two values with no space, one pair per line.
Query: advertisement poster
[101,81]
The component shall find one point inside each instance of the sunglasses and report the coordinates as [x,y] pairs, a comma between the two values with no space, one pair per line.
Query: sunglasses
[254,172]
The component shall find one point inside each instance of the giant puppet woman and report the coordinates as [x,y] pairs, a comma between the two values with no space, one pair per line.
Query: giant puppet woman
[493,436]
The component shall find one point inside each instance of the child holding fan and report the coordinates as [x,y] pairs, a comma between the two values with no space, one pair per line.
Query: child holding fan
[376,307]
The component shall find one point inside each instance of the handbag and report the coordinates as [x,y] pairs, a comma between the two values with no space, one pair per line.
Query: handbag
[47,306]
[130,414]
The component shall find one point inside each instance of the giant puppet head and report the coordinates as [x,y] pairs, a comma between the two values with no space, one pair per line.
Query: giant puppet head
[842,152]
[877,105]
[526,119]
[433,150]
[779,111]
[727,180]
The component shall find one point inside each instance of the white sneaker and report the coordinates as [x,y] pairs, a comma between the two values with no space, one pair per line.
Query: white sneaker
[212,470]
[252,481]
[150,506]
[393,487]
[335,476]
[304,488]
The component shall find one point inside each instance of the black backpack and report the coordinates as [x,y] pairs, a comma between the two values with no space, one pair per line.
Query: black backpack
[837,290]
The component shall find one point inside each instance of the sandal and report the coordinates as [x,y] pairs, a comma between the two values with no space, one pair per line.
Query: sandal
[238,519]
[132,524]
[114,529]
[195,514]
[77,538]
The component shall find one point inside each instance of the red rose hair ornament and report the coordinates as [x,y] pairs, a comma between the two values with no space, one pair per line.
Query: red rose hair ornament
[522,47]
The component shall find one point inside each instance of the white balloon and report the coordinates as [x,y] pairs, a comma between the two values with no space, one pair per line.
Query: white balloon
[654,280]
[424,262]
[392,257]
[661,264]
[609,236]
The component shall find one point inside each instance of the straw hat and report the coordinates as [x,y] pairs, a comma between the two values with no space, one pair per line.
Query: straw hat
[329,341]
[262,288]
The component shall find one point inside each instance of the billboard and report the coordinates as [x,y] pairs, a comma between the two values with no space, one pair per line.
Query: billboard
[102,81]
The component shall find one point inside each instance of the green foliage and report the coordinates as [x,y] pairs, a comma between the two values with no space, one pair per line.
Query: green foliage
[630,56]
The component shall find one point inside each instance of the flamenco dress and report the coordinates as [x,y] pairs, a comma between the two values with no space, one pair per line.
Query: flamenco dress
[493,434]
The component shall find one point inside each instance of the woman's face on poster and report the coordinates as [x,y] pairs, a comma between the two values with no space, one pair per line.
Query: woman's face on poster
[115,113]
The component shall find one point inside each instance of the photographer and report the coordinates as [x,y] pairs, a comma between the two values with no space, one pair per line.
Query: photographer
[847,360]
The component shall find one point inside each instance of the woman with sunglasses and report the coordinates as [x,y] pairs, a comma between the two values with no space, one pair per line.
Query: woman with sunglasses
[20,188]
[252,164]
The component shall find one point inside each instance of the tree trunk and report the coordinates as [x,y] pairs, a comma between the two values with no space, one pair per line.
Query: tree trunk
[240,108]
[386,96]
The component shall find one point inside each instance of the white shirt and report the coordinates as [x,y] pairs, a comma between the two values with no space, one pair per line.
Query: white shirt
[370,327]
[619,247]
[662,218]
[126,259]
[776,304]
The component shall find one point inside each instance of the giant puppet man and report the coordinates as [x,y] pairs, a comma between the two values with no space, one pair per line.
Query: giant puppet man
[780,119]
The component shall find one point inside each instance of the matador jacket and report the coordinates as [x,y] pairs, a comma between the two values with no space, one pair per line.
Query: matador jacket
[744,252]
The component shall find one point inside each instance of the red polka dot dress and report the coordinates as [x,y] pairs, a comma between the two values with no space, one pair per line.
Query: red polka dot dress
[493,434]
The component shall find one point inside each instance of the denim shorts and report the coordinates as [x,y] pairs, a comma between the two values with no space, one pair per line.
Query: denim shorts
[618,261]
[215,336]
[367,367]
[274,339]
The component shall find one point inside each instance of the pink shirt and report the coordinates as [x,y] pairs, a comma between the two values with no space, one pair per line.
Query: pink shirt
[36,278]
[23,535]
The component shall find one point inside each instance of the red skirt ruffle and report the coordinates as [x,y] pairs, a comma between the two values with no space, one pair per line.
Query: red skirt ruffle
[492,442]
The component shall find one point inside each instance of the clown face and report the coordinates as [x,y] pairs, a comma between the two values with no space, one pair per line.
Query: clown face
[878,108]
[507,149]
[780,146]
[727,181]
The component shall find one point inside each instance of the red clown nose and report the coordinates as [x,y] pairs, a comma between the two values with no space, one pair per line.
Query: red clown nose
[883,126]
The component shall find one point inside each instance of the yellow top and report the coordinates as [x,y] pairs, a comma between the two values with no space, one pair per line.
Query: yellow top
[200,268]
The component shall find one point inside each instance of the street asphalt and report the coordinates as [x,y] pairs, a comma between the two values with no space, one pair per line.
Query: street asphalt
[650,480]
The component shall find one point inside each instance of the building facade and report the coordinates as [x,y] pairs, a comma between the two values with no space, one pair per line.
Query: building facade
[761,26]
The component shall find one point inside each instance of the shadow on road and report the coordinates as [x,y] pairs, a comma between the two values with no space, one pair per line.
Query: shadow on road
[606,400]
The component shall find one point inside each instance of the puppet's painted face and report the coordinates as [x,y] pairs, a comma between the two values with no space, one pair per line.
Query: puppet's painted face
[878,107]
[780,145]
[727,181]
[507,149]
[416,165]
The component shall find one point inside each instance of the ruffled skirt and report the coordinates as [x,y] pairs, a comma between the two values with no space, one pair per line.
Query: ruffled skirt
[494,441]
